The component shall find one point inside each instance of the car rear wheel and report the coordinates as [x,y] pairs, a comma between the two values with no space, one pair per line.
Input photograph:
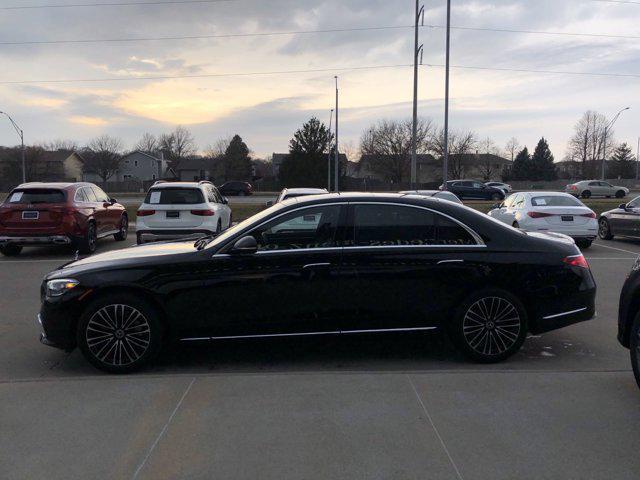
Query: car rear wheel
[241,193]
[516,225]
[620,194]
[489,326]
[10,250]
[496,196]
[87,244]
[124,229]
[604,230]
[583,244]
[635,348]
[119,333]
[586,194]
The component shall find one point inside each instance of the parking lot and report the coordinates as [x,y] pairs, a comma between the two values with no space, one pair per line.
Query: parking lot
[399,406]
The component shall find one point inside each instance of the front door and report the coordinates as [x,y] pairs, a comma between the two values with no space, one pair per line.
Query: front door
[290,286]
[405,267]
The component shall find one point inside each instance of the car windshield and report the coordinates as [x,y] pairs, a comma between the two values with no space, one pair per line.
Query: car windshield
[174,196]
[36,195]
[555,201]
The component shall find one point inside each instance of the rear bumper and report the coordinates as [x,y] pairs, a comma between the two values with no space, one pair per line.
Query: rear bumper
[35,239]
[580,308]
[145,236]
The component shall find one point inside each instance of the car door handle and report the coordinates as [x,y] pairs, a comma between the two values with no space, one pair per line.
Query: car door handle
[453,260]
[314,265]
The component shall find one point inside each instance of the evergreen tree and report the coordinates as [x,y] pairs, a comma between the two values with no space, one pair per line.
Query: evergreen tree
[622,163]
[236,160]
[542,166]
[306,164]
[521,169]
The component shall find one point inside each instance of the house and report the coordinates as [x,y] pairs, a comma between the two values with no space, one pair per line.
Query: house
[142,166]
[62,164]
[43,165]
[426,166]
[193,169]
[486,166]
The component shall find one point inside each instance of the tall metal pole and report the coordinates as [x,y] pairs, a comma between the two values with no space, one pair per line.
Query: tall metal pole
[21,134]
[445,166]
[606,131]
[329,155]
[337,164]
[638,158]
[414,135]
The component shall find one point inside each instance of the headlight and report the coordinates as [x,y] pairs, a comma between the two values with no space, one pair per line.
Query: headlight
[57,287]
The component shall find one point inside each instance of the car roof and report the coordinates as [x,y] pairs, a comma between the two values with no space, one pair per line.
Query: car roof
[59,185]
[549,193]
[179,184]
[305,190]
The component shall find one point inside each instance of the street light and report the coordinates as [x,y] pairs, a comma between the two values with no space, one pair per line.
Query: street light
[606,131]
[21,134]
[329,154]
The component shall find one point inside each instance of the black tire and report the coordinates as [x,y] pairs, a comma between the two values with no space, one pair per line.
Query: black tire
[583,244]
[620,194]
[241,193]
[121,236]
[496,196]
[586,194]
[219,227]
[87,244]
[604,229]
[634,347]
[515,225]
[10,250]
[489,326]
[119,333]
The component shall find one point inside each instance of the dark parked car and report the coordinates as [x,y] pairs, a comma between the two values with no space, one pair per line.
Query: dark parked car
[332,264]
[623,221]
[629,317]
[236,189]
[76,214]
[474,190]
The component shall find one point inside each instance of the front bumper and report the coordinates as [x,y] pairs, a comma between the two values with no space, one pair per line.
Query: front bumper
[145,236]
[25,240]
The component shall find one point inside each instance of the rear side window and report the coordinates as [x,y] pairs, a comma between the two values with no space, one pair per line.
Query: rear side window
[555,201]
[389,225]
[79,197]
[36,195]
[174,196]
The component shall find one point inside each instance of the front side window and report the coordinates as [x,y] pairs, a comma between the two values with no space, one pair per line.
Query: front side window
[393,225]
[88,192]
[509,201]
[100,195]
[313,227]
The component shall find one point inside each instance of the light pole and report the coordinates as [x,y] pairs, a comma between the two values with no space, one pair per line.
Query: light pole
[21,134]
[637,158]
[417,52]
[604,146]
[329,154]
[445,163]
[337,165]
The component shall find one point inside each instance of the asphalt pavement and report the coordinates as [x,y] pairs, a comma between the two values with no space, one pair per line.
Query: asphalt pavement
[370,407]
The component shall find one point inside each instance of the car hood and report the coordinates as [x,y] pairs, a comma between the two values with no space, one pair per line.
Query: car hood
[136,252]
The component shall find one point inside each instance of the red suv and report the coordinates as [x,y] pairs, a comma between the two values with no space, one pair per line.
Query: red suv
[75,214]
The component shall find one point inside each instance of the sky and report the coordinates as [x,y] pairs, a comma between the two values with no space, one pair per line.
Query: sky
[266,109]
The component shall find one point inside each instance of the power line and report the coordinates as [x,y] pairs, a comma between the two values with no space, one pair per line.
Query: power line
[313,70]
[108,4]
[307,32]
[617,1]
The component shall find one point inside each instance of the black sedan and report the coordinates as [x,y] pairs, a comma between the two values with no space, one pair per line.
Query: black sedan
[623,221]
[328,264]
[629,317]
[474,190]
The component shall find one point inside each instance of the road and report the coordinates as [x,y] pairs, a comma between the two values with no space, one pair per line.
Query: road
[371,407]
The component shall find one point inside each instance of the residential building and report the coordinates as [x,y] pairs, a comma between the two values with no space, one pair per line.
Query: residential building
[142,166]
[193,169]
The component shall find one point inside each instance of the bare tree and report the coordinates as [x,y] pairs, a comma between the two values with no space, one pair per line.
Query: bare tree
[177,145]
[460,142]
[387,146]
[512,147]
[61,144]
[103,156]
[587,143]
[218,148]
[148,143]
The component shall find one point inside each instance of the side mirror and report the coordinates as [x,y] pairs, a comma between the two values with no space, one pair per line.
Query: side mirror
[496,205]
[270,203]
[246,245]
[113,201]
[225,200]
[623,206]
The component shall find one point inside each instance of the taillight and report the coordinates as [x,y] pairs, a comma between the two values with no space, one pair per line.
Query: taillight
[203,213]
[576,261]
[572,187]
[146,213]
[539,214]
[588,215]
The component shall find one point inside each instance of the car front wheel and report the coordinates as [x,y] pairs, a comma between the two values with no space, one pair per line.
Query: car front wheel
[620,194]
[124,229]
[10,250]
[87,244]
[586,194]
[489,326]
[119,333]
[604,229]
[635,348]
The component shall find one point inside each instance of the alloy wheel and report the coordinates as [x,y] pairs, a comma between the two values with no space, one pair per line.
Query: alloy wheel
[118,335]
[603,228]
[491,326]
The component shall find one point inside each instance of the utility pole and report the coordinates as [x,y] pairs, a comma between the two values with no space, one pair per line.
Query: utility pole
[604,146]
[21,134]
[329,155]
[445,166]
[417,52]
[637,158]
[337,165]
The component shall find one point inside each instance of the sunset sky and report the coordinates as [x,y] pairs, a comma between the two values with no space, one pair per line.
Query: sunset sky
[266,109]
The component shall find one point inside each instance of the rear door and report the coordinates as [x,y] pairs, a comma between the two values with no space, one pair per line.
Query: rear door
[34,209]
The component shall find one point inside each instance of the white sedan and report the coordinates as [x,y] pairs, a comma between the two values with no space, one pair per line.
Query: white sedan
[549,212]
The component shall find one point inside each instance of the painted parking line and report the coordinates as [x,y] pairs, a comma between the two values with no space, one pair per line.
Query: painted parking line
[618,249]
[56,260]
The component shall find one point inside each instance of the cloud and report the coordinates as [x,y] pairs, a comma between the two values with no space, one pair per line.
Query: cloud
[89,121]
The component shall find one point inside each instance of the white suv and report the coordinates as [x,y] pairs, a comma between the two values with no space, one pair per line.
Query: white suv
[180,209]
